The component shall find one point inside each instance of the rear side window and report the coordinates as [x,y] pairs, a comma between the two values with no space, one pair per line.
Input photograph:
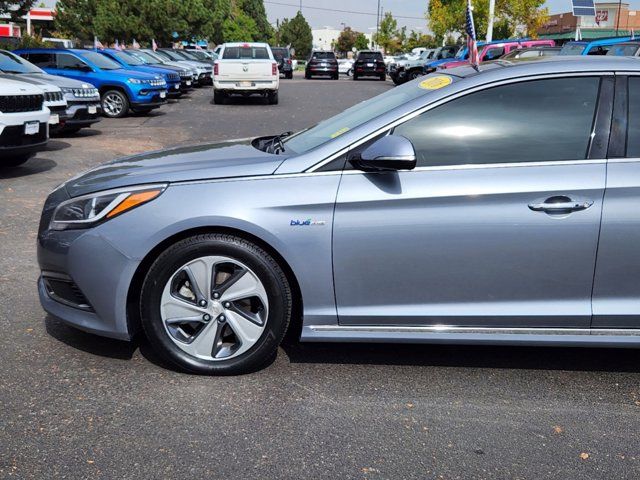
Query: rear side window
[633,132]
[535,121]
[280,53]
[42,60]
[248,53]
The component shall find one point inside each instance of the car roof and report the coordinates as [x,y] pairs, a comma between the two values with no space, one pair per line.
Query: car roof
[600,41]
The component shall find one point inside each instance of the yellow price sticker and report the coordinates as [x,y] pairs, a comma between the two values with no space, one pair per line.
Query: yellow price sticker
[435,83]
[339,132]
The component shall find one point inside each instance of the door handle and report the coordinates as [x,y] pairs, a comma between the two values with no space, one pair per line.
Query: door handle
[560,204]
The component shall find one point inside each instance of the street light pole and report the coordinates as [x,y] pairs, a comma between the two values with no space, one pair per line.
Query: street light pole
[492,7]
[373,43]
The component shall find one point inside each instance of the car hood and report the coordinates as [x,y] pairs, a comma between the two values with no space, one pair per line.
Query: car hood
[27,78]
[62,82]
[131,74]
[231,159]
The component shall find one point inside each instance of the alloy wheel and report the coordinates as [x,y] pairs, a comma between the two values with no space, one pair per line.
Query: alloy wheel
[214,308]
[113,104]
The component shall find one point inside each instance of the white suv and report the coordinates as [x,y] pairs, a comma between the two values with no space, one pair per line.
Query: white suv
[24,122]
[245,69]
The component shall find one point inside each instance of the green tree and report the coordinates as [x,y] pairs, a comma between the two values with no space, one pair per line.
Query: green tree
[255,10]
[346,40]
[362,43]
[449,16]
[74,18]
[297,33]
[388,36]
[16,9]
[239,27]
[416,39]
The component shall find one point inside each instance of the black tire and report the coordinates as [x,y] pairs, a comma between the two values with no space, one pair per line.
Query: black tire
[413,74]
[16,160]
[288,75]
[272,98]
[122,112]
[355,77]
[397,81]
[383,77]
[218,97]
[265,267]
[336,76]
[307,75]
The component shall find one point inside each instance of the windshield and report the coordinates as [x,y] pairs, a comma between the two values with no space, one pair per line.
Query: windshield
[10,63]
[182,54]
[100,61]
[280,53]
[462,54]
[623,50]
[128,59]
[171,55]
[572,49]
[144,57]
[355,116]
[236,53]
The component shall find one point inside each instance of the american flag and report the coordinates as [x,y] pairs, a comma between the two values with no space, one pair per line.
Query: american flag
[472,44]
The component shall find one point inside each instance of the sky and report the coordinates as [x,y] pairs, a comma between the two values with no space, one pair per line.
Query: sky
[366,21]
[361,14]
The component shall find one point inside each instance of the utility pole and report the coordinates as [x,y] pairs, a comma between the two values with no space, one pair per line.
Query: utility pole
[492,7]
[373,42]
[618,20]
[300,9]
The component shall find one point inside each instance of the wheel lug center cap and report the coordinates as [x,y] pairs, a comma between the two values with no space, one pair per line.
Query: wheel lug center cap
[216,307]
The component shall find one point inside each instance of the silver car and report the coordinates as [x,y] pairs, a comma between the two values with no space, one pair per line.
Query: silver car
[468,207]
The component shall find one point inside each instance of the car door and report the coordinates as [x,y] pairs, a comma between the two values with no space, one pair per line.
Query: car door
[497,226]
[616,290]
[70,66]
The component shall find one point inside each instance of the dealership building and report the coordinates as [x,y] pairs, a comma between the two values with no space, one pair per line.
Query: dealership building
[611,19]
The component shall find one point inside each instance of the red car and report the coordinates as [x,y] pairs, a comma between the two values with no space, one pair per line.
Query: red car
[494,50]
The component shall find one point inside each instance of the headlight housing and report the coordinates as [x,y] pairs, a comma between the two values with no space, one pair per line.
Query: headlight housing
[89,210]
[136,81]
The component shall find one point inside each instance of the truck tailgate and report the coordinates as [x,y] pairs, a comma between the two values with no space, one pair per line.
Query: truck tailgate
[245,69]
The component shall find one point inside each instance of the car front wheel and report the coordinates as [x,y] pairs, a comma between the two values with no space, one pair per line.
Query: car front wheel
[216,304]
[115,104]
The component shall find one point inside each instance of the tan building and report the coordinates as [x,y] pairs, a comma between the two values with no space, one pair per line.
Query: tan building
[609,18]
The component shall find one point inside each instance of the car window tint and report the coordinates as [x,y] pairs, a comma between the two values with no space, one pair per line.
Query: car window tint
[529,54]
[323,56]
[237,53]
[370,56]
[493,53]
[65,61]
[43,60]
[633,132]
[542,120]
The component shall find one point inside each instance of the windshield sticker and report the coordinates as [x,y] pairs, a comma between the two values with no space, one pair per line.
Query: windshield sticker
[435,83]
[339,132]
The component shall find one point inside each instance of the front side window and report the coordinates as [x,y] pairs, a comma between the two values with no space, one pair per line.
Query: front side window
[533,121]
[493,53]
[65,61]
[101,61]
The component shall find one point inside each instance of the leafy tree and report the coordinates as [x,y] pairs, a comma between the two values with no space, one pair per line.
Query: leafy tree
[297,33]
[447,16]
[361,43]
[346,40]
[255,10]
[74,18]
[416,39]
[16,9]
[387,35]
[239,27]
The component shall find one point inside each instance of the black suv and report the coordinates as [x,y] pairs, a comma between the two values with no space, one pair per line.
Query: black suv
[369,63]
[321,63]
[283,57]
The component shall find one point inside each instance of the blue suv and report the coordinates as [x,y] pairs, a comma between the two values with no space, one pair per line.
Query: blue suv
[131,62]
[594,47]
[120,89]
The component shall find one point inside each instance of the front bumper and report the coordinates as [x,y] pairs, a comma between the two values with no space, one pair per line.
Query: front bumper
[78,114]
[13,141]
[149,97]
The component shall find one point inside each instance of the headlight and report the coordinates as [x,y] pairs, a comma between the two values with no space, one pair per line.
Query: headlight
[136,81]
[88,210]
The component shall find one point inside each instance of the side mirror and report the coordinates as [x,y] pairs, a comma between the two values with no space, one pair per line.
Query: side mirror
[391,152]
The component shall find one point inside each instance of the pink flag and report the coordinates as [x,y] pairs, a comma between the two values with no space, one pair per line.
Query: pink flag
[154,45]
[96,43]
[135,44]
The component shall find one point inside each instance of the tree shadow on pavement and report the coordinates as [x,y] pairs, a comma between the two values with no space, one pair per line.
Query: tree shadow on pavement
[31,167]
[475,356]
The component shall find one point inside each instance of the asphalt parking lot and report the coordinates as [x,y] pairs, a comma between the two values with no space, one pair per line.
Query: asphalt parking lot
[73,405]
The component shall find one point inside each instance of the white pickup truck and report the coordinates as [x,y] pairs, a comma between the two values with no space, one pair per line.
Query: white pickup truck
[245,69]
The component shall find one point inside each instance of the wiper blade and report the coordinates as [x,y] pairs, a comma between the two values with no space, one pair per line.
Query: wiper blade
[276,145]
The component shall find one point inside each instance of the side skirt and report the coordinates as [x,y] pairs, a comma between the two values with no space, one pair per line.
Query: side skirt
[579,337]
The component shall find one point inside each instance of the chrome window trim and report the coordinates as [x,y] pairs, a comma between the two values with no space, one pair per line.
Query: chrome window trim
[452,97]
